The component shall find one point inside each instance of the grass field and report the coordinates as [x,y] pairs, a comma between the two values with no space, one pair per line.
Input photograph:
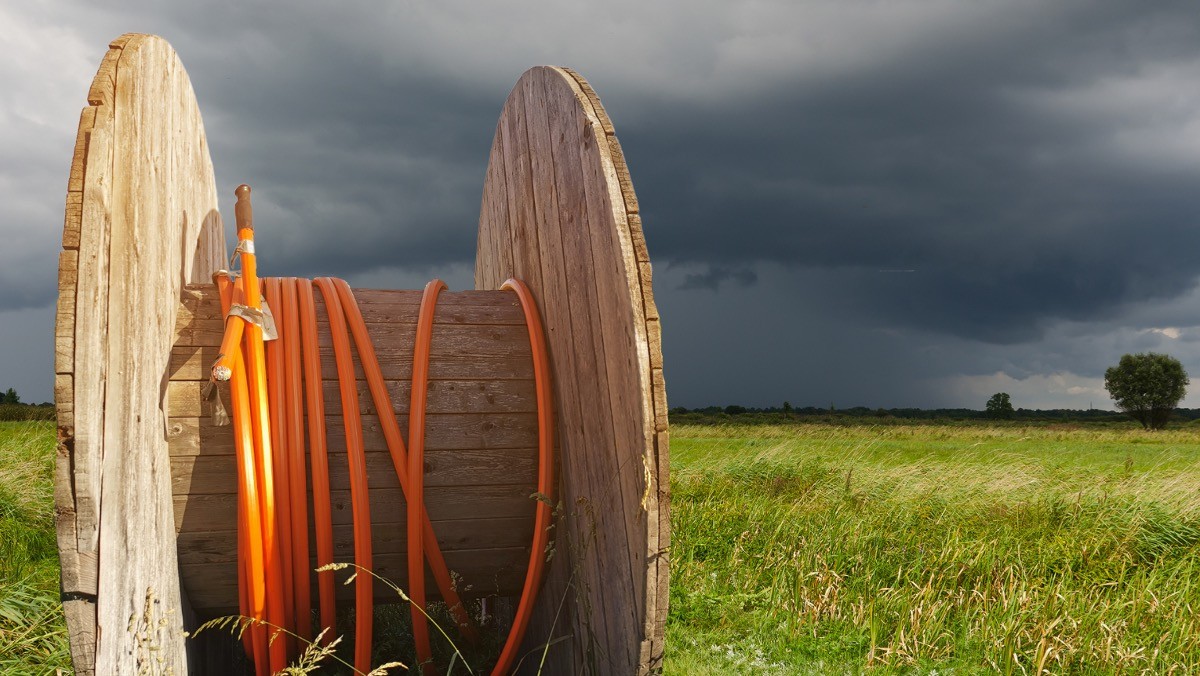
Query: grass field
[832,548]
[33,635]
[948,549]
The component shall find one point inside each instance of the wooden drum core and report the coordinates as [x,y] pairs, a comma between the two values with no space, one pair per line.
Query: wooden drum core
[481,445]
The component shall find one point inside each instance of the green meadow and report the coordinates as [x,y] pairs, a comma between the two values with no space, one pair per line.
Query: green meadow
[845,548]
[934,549]
[33,635]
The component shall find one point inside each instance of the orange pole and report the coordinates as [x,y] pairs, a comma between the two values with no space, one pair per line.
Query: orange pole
[250,530]
[260,417]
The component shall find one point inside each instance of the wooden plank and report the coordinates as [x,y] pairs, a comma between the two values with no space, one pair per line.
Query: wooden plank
[200,307]
[592,438]
[649,348]
[91,342]
[72,217]
[188,436]
[629,198]
[190,363]
[216,474]
[445,396]
[104,82]
[482,572]
[199,547]
[611,259]
[87,119]
[493,257]
[518,177]
[397,337]
[64,315]
[64,389]
[444,503]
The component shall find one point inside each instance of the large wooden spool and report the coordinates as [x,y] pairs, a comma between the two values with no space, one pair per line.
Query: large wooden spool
[144,488]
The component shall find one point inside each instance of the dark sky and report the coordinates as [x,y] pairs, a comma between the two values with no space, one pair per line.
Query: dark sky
[846,202]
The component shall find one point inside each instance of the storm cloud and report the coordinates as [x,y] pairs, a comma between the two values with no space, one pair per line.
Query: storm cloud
[885,204]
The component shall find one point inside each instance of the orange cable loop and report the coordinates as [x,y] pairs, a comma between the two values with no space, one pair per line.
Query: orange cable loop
[318,455]
[391,433]
[359,499]
[416,473]
[274,389]
[541,526]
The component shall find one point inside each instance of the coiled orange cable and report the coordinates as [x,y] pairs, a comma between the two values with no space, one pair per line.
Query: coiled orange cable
[359,499]
[416,472]
[269,413]
[543,514]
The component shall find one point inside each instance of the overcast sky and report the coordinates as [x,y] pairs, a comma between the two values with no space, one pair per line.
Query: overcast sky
[846,202]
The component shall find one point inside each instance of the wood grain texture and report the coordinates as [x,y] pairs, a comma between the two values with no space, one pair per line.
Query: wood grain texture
[481,443]
[140,221]
[559,211]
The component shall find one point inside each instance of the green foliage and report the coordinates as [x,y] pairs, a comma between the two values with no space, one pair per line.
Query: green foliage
[25,412]
[33,635]
[1000,406]
[10,397]
[818,549]
[1147,386]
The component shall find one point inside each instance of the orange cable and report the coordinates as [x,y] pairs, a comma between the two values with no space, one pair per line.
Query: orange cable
[294,420]
[280,479]
[359,499]
[391,433]
[318,455]
[416,473]
[269,412]
[541,524]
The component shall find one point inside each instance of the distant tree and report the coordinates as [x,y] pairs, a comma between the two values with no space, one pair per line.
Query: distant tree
[1000,405]
[1147,386]
[734,409]
[10,397]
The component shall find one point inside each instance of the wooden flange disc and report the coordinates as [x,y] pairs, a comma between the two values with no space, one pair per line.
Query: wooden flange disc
[559,212]
[141,220]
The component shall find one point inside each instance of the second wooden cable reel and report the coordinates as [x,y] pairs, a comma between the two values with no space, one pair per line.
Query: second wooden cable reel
[144,485]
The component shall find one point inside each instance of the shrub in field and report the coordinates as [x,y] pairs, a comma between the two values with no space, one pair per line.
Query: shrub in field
[1147,386]
[1000,406]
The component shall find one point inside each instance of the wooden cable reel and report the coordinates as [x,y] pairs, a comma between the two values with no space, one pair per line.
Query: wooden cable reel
[144,489]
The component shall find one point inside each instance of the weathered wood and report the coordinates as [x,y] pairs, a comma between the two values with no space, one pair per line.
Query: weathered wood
[557,193]
[481,438]
[481,572]
[193,363]
[465,396]
[141,212]
[210,474]
[195,513]
[479,533]
[656,460]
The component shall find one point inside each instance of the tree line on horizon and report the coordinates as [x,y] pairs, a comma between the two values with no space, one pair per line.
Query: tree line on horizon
[12,409]
[1145,386]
